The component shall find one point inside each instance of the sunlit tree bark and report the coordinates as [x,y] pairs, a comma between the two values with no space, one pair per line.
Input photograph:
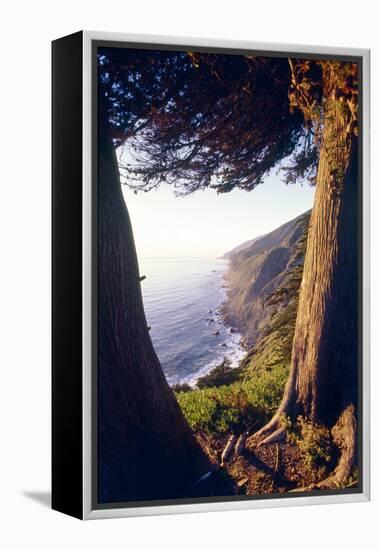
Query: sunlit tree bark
[323,381]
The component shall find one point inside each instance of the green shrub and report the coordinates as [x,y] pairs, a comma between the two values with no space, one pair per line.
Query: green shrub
[198,408]
[240,406]
[221,375]
[314,441]
[266,389]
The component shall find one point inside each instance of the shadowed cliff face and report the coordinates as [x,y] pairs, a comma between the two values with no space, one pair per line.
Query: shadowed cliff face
[258,270]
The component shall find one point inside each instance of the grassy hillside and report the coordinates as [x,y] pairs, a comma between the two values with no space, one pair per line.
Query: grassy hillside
[243,405]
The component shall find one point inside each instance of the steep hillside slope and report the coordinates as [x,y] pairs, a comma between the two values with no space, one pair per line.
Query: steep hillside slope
[240,247]
[272,265]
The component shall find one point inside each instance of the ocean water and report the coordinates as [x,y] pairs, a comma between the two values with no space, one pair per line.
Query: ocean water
[182,297]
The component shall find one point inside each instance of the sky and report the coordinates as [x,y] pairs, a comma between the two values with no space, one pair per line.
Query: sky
[205,224]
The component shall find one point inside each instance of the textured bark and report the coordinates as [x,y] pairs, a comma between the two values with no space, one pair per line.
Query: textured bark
[323,380]
[345,436]
[146,450]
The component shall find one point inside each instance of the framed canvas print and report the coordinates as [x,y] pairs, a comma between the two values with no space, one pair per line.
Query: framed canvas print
[210,275]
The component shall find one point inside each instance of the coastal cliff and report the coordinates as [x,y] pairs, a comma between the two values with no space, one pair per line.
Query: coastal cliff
[263,278]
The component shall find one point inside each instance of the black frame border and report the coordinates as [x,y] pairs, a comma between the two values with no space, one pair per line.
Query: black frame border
[67,265]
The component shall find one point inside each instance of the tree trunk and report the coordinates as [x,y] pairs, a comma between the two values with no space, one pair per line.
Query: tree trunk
[323,380]
[146,450]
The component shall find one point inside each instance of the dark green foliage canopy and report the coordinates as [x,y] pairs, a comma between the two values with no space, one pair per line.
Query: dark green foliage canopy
[197,120]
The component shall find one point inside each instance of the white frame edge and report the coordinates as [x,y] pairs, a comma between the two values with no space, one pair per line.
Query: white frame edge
[88,511]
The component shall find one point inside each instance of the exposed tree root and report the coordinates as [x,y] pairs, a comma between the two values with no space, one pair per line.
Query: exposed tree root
[274,431]
[345,437]
[240,445]
[265,466]
[264,435]
[275,437]
[228,449]
[344,434]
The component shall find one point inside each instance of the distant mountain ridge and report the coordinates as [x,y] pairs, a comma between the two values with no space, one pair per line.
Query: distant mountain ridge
[240,247]
[258,269]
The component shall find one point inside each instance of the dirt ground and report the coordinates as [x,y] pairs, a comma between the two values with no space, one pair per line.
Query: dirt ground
[272,468]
